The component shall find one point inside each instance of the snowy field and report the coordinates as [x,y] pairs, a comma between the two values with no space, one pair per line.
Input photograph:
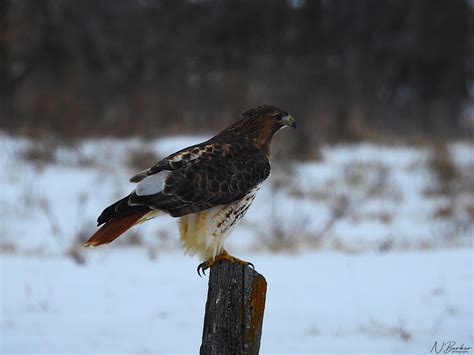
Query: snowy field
[123,302]
[381,248]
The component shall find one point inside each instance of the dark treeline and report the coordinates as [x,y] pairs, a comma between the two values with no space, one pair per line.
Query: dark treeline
[347,69]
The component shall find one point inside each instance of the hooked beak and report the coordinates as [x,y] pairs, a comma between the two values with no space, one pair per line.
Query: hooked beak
[288,121]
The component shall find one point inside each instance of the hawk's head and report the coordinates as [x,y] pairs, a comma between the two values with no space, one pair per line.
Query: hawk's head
[259,124]
[268,116]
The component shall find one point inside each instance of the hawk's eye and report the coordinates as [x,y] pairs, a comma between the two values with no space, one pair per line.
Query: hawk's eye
[279,116]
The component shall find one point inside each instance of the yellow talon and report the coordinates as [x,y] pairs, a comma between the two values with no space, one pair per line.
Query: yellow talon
[223,256]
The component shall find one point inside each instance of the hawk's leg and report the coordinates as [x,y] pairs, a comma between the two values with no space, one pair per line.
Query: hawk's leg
[223,256]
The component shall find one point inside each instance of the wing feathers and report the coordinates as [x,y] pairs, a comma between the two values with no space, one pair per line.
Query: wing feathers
[121,208]
[194,179]
[139,176]
[152,184]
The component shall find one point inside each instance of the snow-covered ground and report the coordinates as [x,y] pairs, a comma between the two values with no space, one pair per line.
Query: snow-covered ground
[380,259]
[123,302]
[358,197]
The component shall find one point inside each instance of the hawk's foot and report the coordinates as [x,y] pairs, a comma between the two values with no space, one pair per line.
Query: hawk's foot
[223,256]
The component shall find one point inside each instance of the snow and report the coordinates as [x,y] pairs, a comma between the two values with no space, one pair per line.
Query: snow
[123,301]
[375,270]
[379,192]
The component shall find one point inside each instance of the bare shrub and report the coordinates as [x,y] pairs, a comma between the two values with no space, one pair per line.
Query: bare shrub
[84,233]
[376,327]
[282,175]
[379,184]
[339,209]
[354,174]
[444,211]
[386,245]
[132,239]
[76,249]
[455,185]
[53,221]
[286,230]
[372,178]
[76,254]
[40,154]
[166,240]
[470,212]
[139,159]
[402,333]
[289,226]
[442,166]
[152,252]
[286,227]
[8,247]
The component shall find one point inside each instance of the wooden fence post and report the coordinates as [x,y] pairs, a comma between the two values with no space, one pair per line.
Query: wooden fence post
[234,310]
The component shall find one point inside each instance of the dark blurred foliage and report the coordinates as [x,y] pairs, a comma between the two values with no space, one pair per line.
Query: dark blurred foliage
[346,69]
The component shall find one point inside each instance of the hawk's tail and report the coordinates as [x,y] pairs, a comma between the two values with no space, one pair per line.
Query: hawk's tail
[117,219]
[114,228]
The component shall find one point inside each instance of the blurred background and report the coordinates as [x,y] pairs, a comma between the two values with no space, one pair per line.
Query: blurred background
[350,70]
[371,199]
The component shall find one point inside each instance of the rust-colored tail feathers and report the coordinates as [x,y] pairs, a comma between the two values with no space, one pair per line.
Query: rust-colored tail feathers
[113,229]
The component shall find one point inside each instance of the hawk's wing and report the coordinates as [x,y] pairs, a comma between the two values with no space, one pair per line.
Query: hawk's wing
[200,177]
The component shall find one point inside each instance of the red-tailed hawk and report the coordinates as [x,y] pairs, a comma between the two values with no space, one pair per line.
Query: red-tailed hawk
[208,186]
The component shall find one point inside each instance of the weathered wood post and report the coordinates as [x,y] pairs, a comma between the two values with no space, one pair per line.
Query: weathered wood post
[234,310]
